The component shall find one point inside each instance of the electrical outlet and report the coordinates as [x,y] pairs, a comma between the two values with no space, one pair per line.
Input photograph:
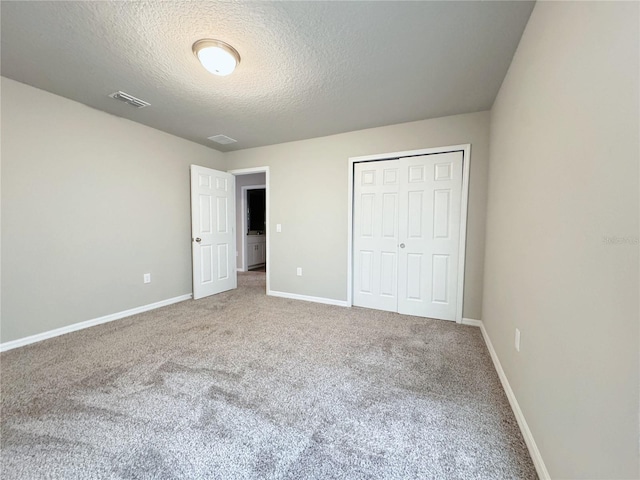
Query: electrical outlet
[278,227]
[147,278]
[299,271]
[517,340]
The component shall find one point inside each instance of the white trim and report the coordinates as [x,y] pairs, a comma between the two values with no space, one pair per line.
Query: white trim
[350,235]
[267,180]
[308,298]
[90,323]
[243,221]
[410,153]
[541,468]
[466,162]
[462,250]
[472,322]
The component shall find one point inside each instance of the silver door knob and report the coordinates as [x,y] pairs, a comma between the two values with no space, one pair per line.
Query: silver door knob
[198,239]
[402,245]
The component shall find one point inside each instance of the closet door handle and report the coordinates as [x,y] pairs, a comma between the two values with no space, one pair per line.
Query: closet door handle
[402,245]
[198,239]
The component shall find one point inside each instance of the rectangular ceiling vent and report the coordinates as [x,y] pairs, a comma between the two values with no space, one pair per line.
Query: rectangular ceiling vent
[222,139]
[129,99]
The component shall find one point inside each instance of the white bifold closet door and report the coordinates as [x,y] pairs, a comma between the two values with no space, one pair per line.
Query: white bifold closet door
[406,234]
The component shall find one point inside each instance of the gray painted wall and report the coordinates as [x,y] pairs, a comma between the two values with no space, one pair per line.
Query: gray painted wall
[563,183]
[309,182]
[117,206]
[90,202]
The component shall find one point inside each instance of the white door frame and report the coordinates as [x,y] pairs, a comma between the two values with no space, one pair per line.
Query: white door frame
[466,161]
[243,220]
[265,170]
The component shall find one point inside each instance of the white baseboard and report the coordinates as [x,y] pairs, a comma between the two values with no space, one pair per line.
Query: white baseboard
[308,298]
[90,323]
[541,468]
[472,322]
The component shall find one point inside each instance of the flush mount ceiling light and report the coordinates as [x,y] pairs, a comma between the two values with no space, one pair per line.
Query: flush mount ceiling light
[217,57]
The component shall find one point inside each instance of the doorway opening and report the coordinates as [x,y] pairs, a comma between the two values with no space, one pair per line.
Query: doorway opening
[252,228]
[252,221]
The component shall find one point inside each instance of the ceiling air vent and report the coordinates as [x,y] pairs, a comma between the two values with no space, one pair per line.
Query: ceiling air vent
[129,99]
[222,139]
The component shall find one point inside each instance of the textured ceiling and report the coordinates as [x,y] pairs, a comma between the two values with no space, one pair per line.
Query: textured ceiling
[308,69]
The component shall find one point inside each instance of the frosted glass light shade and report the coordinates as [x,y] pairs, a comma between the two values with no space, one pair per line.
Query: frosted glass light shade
[216,57]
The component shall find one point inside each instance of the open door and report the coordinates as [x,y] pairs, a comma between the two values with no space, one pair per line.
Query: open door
[213,241]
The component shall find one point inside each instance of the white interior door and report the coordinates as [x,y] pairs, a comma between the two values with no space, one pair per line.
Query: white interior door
[430,201]
[375,233]
[406,234]
[212,231]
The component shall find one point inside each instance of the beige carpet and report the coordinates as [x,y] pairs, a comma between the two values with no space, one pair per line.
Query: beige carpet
[242,386]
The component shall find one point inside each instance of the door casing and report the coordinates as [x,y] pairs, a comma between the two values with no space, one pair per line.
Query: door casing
[466,161]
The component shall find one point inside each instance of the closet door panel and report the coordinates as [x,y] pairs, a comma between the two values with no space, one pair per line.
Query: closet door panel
[430,209]
[375,235]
